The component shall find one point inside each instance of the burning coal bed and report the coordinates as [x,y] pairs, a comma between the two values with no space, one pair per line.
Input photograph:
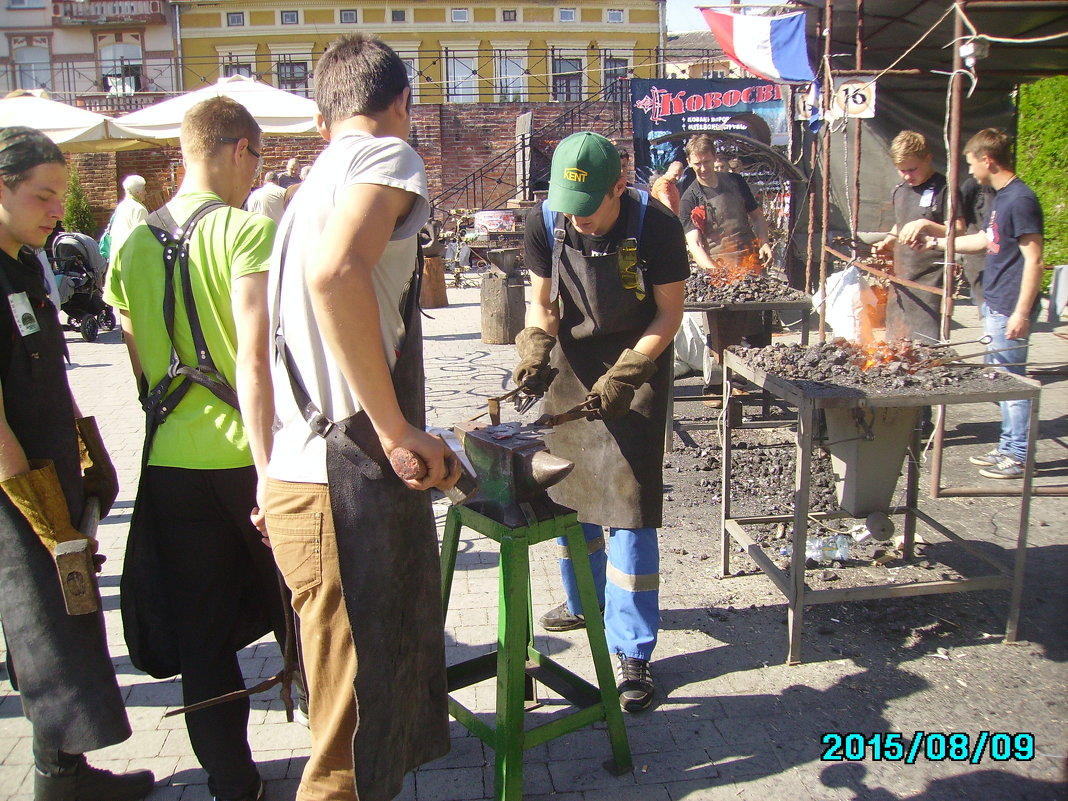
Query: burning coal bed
[901,367]
[702,287]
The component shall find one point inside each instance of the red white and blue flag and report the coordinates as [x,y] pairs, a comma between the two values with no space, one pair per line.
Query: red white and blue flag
[773,48]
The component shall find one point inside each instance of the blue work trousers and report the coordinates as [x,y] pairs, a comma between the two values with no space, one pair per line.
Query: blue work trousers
[627,579]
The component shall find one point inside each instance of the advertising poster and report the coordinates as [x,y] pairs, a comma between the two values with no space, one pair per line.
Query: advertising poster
[751,106]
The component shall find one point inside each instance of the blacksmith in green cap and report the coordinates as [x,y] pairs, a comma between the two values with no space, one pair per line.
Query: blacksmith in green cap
[607,265]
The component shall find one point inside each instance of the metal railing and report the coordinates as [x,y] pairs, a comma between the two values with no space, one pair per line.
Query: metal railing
[103,12]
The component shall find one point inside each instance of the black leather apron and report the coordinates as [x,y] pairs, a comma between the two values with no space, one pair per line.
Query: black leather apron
[911,312]
[391,581]
[62,668]
[618,475]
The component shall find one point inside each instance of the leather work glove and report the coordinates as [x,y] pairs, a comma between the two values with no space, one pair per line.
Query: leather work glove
[615,388]
[39,497]
[533,373]
[99,478]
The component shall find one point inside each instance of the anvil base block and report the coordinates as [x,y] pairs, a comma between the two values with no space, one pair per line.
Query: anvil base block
[516,663]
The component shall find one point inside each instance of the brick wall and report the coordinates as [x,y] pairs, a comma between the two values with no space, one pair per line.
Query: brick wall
[453,139]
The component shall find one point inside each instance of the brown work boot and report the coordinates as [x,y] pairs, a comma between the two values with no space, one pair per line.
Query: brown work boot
[87,783]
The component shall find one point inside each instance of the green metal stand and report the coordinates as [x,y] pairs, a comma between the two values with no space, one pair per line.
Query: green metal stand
[516,663]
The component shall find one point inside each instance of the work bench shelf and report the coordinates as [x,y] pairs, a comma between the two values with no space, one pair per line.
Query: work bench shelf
[809,398]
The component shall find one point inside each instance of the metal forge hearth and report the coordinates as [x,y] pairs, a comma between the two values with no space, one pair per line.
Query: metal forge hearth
[870,437]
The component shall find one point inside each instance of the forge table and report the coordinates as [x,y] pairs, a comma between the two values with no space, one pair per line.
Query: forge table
[809,397]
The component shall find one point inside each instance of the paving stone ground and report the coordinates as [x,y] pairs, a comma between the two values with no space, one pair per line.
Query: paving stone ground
[733,721]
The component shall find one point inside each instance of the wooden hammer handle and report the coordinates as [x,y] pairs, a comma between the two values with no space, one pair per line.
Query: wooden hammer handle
[407,464]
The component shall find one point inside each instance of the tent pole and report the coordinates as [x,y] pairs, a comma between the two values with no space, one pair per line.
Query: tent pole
[953,114]
[825,171]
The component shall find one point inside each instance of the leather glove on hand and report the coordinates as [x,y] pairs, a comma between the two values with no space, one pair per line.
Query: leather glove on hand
[39,497]
[533,373]
[99,478]
[615,388]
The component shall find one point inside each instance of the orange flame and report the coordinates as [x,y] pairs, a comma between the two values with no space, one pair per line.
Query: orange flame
[730,268]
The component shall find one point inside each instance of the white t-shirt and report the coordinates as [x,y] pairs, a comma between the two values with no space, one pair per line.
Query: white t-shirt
[355,158]
[268,200]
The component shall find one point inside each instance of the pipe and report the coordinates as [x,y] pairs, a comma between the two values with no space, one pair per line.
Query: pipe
[854,204]
[825,171]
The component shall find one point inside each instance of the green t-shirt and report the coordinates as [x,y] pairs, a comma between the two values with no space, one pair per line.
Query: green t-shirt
[202,432]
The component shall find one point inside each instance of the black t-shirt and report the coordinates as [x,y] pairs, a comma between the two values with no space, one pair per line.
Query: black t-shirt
[23,275]
[927,201]
[1016,213]
[696,194]
[661,245]
[976,202]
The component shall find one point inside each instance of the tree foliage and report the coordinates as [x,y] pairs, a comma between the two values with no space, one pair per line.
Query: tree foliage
[1042,157]
[78,214]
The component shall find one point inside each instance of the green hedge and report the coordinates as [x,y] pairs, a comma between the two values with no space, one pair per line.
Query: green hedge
[1042,157]
[78,215]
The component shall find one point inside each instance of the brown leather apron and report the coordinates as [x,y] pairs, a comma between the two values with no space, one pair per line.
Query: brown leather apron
[391,581]
[618,475]
[62,668]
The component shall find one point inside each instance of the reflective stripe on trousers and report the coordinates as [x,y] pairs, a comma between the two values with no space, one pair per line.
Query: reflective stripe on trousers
[627,579]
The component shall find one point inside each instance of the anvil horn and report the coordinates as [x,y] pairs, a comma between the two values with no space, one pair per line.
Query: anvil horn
[547,470]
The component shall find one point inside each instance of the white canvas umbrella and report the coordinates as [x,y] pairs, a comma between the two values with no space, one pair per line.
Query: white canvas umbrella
[75,130]
[277,111]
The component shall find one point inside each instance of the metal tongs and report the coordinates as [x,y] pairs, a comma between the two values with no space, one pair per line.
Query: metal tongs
[589,409]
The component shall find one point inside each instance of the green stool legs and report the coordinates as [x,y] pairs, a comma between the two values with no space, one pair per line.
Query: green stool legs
[516,662]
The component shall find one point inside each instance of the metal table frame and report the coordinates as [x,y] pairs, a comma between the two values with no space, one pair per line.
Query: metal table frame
[792,584]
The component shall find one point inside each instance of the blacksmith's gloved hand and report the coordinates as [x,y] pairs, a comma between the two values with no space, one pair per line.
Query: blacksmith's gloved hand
[615,389]
[99,479]
[39,497]
[533,373]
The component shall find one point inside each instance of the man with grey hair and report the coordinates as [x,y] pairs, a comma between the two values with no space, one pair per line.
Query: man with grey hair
[129,213]
[269,199]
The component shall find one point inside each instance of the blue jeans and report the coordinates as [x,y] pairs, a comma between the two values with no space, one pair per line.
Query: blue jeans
[627,579]
[1015,414]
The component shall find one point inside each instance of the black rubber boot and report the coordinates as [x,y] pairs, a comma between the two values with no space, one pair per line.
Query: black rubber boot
[87,783]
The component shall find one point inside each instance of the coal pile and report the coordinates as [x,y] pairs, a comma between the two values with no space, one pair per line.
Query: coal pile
[762,478]
[704,288]
[902,367]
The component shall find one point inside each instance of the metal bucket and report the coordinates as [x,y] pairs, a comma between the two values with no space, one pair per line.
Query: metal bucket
[867,448]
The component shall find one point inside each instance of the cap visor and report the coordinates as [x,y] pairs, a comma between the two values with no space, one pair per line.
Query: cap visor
[571,201]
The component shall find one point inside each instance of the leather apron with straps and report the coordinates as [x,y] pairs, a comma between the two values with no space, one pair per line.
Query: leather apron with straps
[618,475]
[390,576]
[62,668]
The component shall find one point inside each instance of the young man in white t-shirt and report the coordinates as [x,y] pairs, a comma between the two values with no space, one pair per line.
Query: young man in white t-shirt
[343,264]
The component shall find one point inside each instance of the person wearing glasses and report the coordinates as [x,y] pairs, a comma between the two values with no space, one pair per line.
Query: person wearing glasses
[607,269]
[197,500]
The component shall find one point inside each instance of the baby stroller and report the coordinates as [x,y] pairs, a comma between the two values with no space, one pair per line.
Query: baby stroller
[79,269]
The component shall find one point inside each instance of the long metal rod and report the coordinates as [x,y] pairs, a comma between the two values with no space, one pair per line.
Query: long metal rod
[825,166]
[858,126]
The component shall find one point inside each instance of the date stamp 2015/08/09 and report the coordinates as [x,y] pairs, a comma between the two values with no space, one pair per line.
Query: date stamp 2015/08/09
[930,746]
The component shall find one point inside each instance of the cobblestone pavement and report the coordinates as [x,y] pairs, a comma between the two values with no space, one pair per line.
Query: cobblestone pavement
[736,723]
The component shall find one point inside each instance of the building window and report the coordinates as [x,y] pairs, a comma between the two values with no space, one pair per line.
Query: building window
[615,69]
[25,4]
[614,15]
[32,68]
[461,79]
[567,78]
[120,68]
[349,16]
[290,17]
[509,15]
[293,76]
[231,68]
[508,77]
[413,76]
[235,19]
[398,15]
[460,15]
[566,15]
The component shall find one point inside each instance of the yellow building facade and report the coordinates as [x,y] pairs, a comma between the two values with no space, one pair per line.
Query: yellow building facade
[456,53]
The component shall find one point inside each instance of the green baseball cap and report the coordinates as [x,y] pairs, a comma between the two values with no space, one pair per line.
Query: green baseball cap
[585,167]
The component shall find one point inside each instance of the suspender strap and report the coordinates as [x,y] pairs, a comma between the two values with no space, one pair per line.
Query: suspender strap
[160,400]
[554,223]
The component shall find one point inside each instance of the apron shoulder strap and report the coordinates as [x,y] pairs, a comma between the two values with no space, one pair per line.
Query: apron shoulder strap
[160,401]
[554,226]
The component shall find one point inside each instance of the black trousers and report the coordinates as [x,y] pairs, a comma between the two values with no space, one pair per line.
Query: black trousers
[217,571]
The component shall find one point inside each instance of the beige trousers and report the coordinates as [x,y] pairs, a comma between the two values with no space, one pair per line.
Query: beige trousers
[301,529]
